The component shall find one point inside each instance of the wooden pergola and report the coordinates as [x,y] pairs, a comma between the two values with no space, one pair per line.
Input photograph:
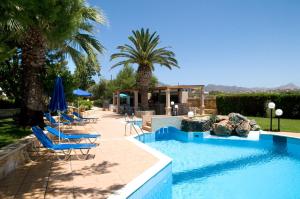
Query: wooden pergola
[167,89]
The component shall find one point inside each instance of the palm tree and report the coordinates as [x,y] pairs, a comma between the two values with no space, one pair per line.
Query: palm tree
[42,25]
[82,43]
[145,53]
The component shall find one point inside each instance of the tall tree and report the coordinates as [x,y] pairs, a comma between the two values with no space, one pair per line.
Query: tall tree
[40,25]
[126,78]
[145,52]
[84,72]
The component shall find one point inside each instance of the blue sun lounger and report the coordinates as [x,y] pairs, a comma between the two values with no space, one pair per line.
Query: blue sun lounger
[88,119]
[70,119]
[47,143]
[53,122]
[77,137]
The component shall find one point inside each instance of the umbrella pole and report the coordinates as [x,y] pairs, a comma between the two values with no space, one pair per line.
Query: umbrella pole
[59,127]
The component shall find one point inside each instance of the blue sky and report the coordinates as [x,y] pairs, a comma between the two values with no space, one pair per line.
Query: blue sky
[230,42]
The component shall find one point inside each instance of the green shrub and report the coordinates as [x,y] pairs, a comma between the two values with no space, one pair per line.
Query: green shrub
[256,104]
[87,105]
[7,104]
[98,102]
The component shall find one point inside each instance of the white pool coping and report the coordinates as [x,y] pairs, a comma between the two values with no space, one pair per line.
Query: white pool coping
[140,180]
[253,136]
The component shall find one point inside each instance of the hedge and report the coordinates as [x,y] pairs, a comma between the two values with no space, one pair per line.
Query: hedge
[256,104]
[7,104]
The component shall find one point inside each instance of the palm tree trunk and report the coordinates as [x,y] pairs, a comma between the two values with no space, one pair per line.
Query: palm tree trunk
[144,75]
[33,62]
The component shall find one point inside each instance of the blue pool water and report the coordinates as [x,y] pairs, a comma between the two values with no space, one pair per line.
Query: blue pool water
[235,169]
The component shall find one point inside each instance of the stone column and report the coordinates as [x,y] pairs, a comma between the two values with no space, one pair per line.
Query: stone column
[114,99]
[136,100]
[118,102]
[168,102]
[202,105]
[179,96]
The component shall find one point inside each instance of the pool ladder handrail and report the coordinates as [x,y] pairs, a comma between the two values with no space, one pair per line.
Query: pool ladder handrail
[130,121]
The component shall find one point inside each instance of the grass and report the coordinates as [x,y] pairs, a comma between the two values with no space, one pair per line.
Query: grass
[288,125]
[10,133]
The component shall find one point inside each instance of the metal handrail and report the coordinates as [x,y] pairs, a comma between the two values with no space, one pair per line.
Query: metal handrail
[132,125]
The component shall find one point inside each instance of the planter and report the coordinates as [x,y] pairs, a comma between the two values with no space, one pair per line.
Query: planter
[15,155]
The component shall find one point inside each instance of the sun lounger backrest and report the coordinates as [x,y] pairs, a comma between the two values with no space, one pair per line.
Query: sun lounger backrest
[66,117]
[54,132]
[50,118]
[38,132]
[77,115]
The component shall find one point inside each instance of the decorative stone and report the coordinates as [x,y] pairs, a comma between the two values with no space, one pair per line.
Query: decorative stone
[236,119]
[233,124]
[223,128]
[254,126]
[243,128]
[220,118]
[190,125]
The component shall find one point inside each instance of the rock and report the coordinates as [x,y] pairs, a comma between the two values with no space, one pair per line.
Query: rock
[254,126]
[223,128]
[233,124]
[220,118]
[195,125]
[243,128]
[236,119]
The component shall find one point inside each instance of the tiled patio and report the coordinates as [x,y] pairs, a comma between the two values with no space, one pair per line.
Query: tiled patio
[111,166]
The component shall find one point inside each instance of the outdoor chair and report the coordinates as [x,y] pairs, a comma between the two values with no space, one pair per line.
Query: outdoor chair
[53,122]
[64,148]
[71,120]
[88,119]
[76,137]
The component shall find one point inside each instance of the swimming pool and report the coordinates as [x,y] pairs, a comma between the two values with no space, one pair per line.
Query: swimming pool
[224,168]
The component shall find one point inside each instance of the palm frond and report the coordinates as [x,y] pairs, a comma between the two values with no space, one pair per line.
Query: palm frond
[144,51]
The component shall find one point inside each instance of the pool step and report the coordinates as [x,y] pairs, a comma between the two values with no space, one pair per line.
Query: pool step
[147,128]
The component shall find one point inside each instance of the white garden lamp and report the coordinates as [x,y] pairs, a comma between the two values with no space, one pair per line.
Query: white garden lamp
[278,113]
[271,106]
[190,114]
[176,109]
[172,103]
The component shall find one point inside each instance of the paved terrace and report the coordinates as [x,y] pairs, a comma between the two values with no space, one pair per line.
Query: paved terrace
[115,163]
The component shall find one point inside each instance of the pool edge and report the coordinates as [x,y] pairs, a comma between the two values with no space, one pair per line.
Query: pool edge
[144,177]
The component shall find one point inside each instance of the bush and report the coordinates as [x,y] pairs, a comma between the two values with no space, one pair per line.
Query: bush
[98,103]
[85,104]
[256,104]
[7,104]
[101,103]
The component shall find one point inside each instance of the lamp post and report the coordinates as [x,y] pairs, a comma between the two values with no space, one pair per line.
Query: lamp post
[190,114]
[176,109]
[278,113]
[172,108]
[271,106]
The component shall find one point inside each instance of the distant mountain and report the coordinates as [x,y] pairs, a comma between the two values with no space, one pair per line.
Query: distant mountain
[289,86]
[237,89]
